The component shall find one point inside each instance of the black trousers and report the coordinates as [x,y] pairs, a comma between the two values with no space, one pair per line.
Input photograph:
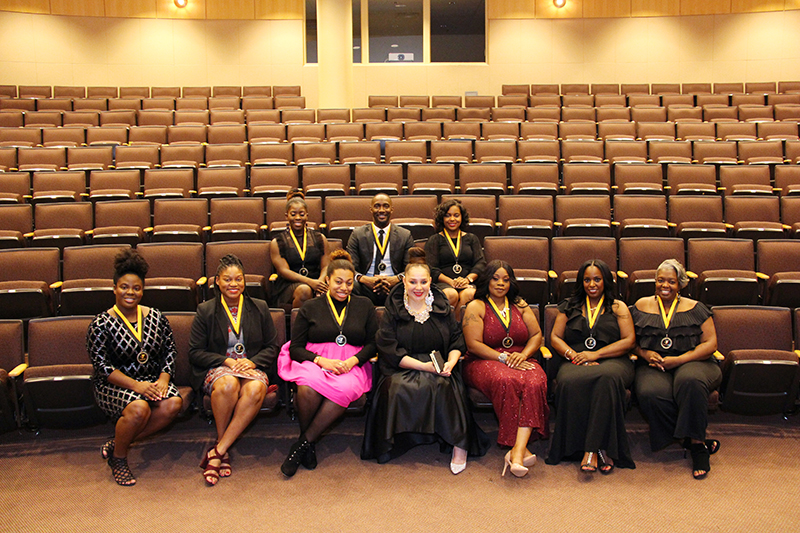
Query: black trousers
[675,402]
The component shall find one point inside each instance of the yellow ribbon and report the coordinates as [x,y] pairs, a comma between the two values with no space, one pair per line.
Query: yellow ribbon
[137,331]
[506,320]
[235,322]
[667,317]
[593,317]
[455,247]
[381,245]
[339,317]
[297,244]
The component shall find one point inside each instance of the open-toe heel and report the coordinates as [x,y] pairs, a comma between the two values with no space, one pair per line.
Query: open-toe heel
[121,471]
[701,463]
[211,472]
[107,450]
[225,466]
[589,464]
[713,446]
[604,462]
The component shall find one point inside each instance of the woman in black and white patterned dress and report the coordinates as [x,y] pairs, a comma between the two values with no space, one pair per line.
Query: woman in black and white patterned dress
[133,353]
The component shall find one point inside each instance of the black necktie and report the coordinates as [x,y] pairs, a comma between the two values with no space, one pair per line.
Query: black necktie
[378,245]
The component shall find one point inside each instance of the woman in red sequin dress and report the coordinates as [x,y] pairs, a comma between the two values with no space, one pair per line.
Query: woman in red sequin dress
[502,335]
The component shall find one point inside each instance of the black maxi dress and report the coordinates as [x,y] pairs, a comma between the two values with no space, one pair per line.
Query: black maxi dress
[590,400]
[412,407]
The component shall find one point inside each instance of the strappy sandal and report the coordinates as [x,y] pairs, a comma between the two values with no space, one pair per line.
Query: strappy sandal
[606,465]
[587,466]
[210,472]
[701,463]
[121,471]
[225,466]
[713,446]
[107,450]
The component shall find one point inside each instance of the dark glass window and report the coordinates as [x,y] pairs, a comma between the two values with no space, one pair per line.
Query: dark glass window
[395,31]
[458,31]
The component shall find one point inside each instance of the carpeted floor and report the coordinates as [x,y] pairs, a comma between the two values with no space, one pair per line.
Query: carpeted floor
[56,481]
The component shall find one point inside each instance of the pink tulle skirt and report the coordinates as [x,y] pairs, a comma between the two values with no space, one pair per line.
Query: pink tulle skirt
[341,389]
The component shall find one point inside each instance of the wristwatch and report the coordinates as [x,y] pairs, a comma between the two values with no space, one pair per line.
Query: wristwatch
[401,276]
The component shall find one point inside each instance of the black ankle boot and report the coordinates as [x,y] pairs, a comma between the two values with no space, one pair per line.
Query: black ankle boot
[296,454]
[310,459]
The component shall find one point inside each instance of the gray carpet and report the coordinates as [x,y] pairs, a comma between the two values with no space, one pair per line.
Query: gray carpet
[56,481]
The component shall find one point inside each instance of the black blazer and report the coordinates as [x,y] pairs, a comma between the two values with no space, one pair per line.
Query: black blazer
[208,342]
[361,248]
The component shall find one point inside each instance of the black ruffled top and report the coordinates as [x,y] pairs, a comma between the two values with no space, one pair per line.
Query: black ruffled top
[684,329]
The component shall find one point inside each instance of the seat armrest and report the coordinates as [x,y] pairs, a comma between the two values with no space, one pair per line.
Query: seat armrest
[18,370]
[546,353]
[718,355]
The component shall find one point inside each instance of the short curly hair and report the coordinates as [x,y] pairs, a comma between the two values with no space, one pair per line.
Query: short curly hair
[129,262]
[680,271]
[442,209]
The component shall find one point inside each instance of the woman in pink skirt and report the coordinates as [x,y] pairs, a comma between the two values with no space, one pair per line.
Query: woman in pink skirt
[333,339]
[502,336]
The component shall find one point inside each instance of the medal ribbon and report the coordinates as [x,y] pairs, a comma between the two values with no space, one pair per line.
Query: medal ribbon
[593,317]
[236,323]
[505,320]
[300,251]
[337,316]
[455,247]
[667,317]
[382,245]
[137,331]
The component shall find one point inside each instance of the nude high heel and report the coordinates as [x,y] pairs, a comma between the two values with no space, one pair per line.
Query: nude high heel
[517,470]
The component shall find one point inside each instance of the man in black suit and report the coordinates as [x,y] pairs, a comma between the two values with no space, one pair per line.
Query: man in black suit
[379,251]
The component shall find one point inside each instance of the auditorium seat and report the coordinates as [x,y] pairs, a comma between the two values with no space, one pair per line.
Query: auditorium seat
[787,179]
[754,217]
[530,259]
[535,178]
[15,187]
[273,181]
[357,153]
[168,183]
[696,216]
[62,224]
[63,137]
[415,213]
[26,277]
[587,178]
[12,365]
[641,216]
[780,260]
[723,271]
[645,178]
[298,116]
[745,179]
[435,179]
[567,254]
[760,371]
[179,220]
[526,215]
[407,152]
[105,185]
[482,209]
[16,221]
[57,385]
[460,131]
[255,259]
[639,258]
[539,131]
[326,180]
[333,116]
[121,222]
[371,179]
[236,218]
[345,213]
[422,131]
[175,278]
[344,132]
[691,179]
[187,134]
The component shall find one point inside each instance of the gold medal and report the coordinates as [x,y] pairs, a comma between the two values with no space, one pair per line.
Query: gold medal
[341,339]
[505,319]
[666,342]
[456,247]
[591,342]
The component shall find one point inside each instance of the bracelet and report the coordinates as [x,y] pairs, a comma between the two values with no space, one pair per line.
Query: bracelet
[566,353]
[503,359]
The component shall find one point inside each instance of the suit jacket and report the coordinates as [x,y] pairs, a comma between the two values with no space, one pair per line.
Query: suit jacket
[208,341]
[361,248]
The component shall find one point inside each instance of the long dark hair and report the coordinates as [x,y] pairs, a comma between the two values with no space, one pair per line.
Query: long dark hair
[578,297]
[483,279]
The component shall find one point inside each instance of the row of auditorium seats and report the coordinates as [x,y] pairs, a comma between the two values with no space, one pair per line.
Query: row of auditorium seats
[261,133]
[292,110]
[198,146]
[51,385]
[36,282]
[64,91]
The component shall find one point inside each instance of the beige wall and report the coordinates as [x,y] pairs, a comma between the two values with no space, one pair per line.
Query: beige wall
[66,50]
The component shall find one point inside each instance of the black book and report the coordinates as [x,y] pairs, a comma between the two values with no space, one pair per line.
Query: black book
[438,361]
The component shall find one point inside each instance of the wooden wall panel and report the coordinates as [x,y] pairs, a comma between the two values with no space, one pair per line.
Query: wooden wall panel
[655,8]
[546,10]
[280,9]
[84,8]
[749,6]
[195,9]
[26,6]
[607,9]
[706,7]
[510,9]
[230,9]
[131,8]
[792,4]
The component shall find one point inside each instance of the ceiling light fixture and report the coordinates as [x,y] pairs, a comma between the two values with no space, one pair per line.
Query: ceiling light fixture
[181,3]
[558,3]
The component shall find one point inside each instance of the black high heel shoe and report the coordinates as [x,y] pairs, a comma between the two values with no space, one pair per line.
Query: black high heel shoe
[296,454]
[310,458]
[701,464]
